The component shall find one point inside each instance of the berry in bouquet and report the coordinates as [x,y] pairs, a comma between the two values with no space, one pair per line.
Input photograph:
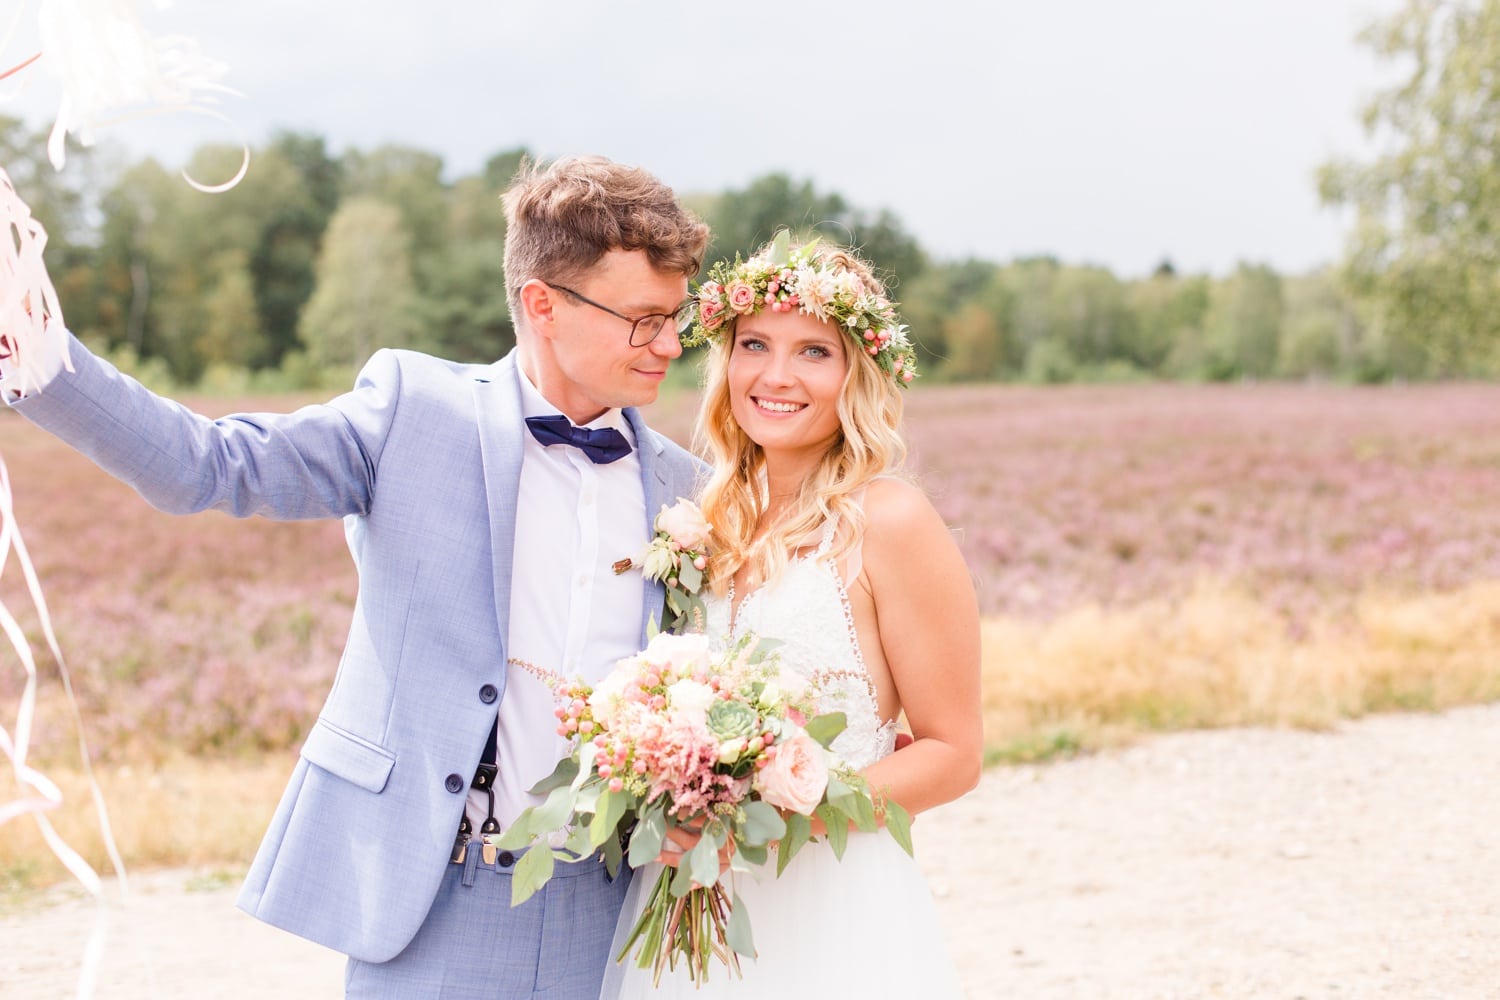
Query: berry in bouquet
[727,747]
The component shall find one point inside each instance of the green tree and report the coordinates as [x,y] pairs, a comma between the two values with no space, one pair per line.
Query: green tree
[976,344]
[1243,327]
[365,295]
[743,220]
[935,295]
[1424,253]
[410,179]
[286,250]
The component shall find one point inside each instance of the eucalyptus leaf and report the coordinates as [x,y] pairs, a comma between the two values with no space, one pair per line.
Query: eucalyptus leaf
[798,833]
[578,843]
[645,843]
[837,823]
[690,577]
[863,812]
[703,861]
[563,774]
[826,728]
[556,811]
[763,823]
[839,792]
[531,873]
[519,834]
[737,931]
[613,855]
[898,822]
[682,880]
[755,854]
[607,813]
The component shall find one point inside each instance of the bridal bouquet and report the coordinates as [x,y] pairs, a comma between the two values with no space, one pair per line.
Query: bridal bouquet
[726,747]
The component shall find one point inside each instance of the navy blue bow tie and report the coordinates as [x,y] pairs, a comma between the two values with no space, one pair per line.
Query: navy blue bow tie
[602,446]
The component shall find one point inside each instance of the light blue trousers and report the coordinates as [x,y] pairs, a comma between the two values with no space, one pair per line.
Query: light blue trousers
[475,946]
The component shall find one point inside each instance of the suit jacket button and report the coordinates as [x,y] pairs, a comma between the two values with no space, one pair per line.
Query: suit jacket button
[488,694]
[454,783]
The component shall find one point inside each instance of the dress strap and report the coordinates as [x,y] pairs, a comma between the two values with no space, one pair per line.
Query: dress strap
[830,530]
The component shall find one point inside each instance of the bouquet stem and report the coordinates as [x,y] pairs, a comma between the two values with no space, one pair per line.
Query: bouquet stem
[689,928]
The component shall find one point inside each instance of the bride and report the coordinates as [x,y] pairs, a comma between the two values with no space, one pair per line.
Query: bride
[818,544]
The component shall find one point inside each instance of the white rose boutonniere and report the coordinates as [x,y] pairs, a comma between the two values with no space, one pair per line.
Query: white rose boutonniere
[678,559]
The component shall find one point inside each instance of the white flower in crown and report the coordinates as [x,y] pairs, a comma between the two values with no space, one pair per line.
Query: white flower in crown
[816,290]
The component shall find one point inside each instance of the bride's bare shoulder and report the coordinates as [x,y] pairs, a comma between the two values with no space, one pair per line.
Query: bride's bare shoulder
[890,502]
[901,523]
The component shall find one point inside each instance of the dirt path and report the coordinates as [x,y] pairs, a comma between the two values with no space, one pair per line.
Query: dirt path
[1249,863]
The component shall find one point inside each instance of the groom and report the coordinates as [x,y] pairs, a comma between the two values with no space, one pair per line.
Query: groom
[484,506]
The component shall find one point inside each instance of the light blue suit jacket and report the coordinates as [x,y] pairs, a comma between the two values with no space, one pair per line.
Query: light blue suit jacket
[423,459]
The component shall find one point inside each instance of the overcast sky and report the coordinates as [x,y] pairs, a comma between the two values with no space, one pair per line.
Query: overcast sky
[1100,131]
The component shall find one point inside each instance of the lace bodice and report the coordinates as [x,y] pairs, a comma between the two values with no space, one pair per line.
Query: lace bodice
[807,609]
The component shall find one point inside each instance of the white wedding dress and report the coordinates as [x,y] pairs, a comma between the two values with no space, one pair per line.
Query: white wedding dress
[864,926]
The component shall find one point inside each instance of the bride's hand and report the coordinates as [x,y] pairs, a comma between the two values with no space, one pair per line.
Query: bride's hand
[681,839]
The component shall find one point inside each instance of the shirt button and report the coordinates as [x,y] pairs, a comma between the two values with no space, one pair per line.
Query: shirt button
[454,783]
[488,694]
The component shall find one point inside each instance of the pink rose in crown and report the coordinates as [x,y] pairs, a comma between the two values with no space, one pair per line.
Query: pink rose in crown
[796,776]
[741,296]
[710,307]
[711,314]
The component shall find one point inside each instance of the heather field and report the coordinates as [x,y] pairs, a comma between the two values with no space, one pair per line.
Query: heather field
[1147,558]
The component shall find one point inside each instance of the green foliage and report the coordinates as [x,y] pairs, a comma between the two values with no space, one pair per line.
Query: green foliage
[1243,326]
[256,278]
[1425,247]
[743,220]
[365,296]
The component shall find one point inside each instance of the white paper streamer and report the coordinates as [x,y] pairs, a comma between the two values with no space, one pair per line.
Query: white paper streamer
[107,62]
[44,794]
[28,302]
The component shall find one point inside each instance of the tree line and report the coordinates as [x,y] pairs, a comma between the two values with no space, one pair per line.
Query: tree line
[315,260]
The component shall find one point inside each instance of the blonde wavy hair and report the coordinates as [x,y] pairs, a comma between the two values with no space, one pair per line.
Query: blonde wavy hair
[868,445]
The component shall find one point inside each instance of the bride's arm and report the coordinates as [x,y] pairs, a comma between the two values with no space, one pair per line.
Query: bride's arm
[929,630]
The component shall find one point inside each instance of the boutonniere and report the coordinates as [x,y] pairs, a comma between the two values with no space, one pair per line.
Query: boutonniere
[677,558]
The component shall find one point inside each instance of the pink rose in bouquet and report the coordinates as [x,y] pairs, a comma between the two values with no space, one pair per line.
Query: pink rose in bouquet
[729,747]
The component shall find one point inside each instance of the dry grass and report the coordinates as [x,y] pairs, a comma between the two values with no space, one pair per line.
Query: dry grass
[187,811]
[1216,657]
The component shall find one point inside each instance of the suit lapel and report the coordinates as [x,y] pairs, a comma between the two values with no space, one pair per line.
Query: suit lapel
[657,491]
[497,406]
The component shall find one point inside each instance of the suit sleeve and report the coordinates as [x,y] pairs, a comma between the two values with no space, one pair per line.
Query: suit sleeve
[319,461]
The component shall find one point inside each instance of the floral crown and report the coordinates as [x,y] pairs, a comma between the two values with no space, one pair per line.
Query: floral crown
[783,279]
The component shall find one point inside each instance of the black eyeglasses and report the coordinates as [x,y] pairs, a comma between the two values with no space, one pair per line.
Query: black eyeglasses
[646,327]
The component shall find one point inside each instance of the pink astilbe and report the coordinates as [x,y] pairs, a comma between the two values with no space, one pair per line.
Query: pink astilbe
[680,756]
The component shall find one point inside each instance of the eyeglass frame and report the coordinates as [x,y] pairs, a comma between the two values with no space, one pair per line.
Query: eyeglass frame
[674,317]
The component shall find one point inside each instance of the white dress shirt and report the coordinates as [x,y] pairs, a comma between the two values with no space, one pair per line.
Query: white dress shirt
[570,613]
